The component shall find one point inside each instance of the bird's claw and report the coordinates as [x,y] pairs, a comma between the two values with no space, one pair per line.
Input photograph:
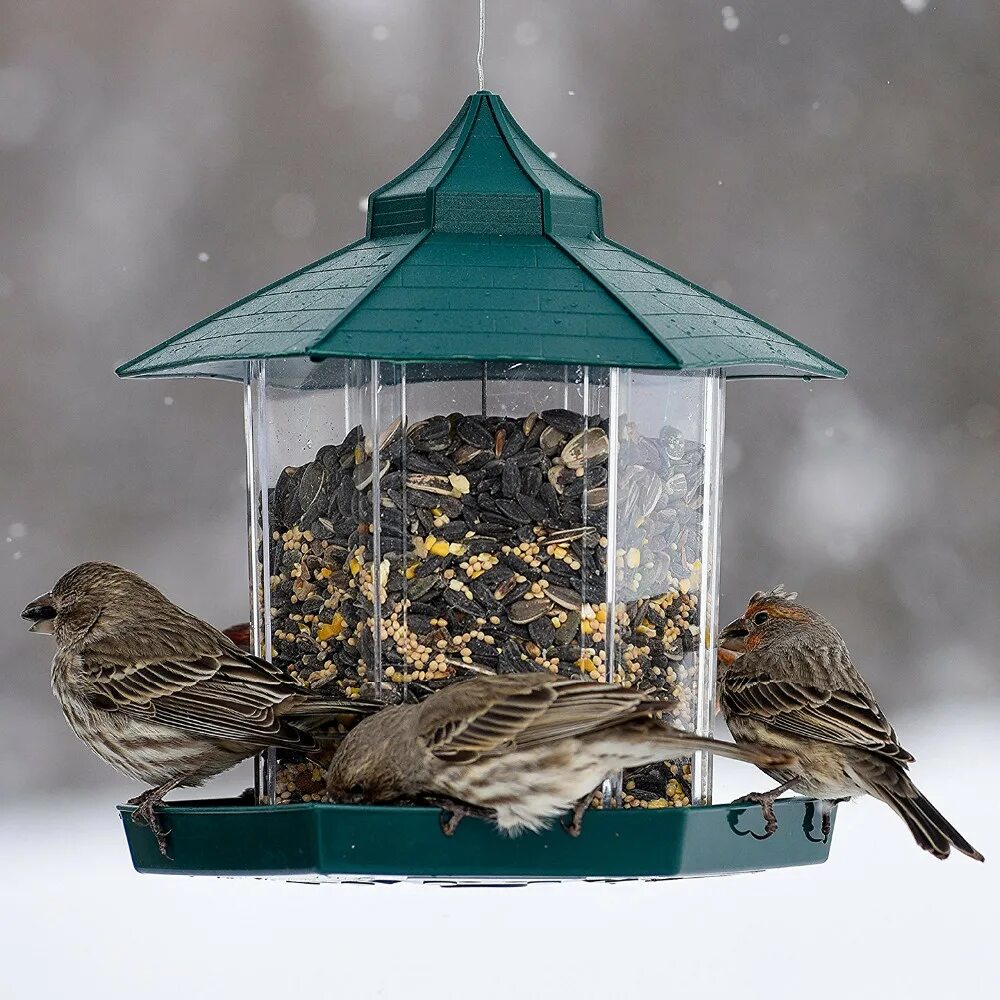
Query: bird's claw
[766,803]
[449,822]
[575,825]
[454,811]
[145,815]
[825,824]
[826,815]
[138,800]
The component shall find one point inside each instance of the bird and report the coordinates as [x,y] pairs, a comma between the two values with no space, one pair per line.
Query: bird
[519,749]
[788,682]
[161,695]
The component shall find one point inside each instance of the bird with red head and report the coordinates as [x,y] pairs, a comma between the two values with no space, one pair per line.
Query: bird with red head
[789,683]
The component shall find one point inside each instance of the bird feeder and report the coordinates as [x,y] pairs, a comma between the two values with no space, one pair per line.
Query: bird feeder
[484,439]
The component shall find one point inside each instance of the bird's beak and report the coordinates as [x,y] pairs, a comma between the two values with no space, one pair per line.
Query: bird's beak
[41,612]
[732,636]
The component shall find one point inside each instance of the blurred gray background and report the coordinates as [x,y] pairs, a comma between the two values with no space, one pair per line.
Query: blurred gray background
[830,167]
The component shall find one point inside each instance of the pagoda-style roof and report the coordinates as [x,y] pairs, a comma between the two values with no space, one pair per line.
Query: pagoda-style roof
[484,250]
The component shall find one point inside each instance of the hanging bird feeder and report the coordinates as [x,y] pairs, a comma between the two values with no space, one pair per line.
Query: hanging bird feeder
[484,439]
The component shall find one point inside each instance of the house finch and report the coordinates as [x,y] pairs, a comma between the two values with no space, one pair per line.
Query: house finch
[795,688]
[161,695]
[522,749]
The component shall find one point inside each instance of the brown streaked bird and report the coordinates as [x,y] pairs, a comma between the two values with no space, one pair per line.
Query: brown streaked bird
[161,695]
[795,688]
[522,749]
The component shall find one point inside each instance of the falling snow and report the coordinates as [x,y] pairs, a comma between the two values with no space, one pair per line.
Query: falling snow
[914,6]
[784,39]
[17,530]
[729,19]
[168,400]
[203,257]
[380,32]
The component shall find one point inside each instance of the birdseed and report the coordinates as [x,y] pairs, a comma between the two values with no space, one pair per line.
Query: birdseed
[492,558]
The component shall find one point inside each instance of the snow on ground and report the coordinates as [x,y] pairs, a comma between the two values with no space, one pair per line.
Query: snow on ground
[880,919]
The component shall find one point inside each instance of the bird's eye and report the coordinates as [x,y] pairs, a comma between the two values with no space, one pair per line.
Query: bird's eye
[358,789]
[761,617]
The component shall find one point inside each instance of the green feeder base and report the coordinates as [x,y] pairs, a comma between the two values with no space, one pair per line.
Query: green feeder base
[227,837]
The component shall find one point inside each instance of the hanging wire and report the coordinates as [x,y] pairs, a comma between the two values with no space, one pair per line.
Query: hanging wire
[482,44]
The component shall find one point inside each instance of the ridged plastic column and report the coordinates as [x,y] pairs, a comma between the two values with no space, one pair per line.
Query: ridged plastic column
[714,426]
[259,548]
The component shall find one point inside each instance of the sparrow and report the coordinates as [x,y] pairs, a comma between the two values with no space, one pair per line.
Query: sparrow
[520,749]
[160,694]
[795,688]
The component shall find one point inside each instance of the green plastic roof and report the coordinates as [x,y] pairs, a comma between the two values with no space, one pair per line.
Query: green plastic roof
[485,250]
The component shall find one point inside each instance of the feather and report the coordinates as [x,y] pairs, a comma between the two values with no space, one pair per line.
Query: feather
[847,718]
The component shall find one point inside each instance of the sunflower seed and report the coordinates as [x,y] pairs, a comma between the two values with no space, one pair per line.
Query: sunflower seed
[551,440]
[564,597]
[523,612]
[473,431]
[363,473]
[542,631]
[534,509]
[587,446]
[564,420]
[429,483]
[511,481]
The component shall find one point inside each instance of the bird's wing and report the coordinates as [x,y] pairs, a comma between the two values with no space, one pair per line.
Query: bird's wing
[842,716]
[211,689]
[582,706]
[482,716]
[490,714]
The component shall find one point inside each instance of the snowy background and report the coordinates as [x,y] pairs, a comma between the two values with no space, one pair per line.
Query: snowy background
[830,167]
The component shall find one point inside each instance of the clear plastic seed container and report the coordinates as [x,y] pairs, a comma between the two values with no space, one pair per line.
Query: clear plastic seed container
[417,524]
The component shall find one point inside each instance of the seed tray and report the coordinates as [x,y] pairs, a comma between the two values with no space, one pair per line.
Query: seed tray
[228,837]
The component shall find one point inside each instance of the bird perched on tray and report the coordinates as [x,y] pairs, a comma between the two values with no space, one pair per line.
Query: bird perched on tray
[520,749]
[161,695]
[788,682]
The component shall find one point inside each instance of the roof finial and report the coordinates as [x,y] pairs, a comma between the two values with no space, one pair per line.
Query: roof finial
[482,44]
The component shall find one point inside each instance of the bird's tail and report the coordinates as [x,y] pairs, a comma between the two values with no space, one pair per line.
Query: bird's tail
[750,753]
[929,828]
[319,711]
[325,721]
